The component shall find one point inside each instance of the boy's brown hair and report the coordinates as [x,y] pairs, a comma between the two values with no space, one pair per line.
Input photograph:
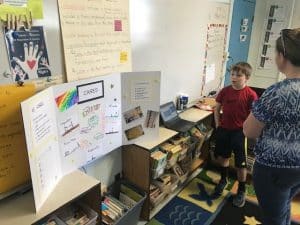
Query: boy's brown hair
[242,67]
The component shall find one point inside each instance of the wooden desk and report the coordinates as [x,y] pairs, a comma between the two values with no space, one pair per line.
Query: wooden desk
[194,114]
[164,135]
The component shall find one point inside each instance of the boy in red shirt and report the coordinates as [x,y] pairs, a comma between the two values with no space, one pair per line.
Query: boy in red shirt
[235,101]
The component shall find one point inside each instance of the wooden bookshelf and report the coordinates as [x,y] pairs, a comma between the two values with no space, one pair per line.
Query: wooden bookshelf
[196,164]
[136,158]
[21,210]
[164,135]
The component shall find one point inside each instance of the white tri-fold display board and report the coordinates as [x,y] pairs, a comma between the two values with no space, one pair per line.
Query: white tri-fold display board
[70,125]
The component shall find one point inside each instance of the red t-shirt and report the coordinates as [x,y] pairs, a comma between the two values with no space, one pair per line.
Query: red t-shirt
[236,106]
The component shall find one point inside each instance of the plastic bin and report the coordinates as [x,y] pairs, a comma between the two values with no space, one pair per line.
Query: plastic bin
[64,213]
[49,219]
[131,217]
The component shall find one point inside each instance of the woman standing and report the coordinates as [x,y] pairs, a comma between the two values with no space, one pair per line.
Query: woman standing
[275,121]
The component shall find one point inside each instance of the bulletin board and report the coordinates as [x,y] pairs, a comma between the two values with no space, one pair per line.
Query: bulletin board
[71,125]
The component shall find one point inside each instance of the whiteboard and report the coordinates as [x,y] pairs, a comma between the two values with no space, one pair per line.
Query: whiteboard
[170,36]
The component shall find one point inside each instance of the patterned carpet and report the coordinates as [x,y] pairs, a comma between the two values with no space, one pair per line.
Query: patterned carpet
[194,206]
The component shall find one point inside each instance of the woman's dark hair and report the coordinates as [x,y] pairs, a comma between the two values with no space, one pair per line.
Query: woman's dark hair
[288,44]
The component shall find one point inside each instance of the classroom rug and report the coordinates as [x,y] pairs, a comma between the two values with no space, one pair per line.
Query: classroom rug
[212,177]
[250,214]
[230,215]
[192,206]
[199,192]
[195,198]
[180,212]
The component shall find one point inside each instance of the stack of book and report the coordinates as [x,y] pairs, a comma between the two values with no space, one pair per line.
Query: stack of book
[155,194]
[77,214]
[183,152]
[205,130]
[180,140]
[165,179]
[128,196]
[158,163]
[164,183]
[172,153]
[195,132]
[112,209]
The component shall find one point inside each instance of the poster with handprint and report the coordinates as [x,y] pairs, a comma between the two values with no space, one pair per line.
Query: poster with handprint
[27,53]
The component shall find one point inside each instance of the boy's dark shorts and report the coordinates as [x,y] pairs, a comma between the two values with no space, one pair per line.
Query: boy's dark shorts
[228,141]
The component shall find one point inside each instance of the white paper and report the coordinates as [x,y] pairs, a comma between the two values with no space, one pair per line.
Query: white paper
[68,124]
[141,90]
[42,144]
[47,171]
[279,13]
[16,2]
[91,91]
[61,141]
[269,63]
[270,52]
[42,122]
[112,118]
[92,130]
[210,74]
[277,27]
[72,154]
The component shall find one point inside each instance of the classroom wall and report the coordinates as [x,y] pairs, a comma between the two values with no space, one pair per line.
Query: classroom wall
[169,36]
[259,17]
[296,15]
[156,29]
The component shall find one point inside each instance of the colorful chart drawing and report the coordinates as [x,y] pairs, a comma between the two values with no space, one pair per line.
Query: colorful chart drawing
[67,100]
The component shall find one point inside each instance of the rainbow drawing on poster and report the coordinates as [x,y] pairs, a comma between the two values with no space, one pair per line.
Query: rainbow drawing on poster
[67,100]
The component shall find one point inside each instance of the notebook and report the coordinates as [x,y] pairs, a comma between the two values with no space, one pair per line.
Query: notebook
[171,120]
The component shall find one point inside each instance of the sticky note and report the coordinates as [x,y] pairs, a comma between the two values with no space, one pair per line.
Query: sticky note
[123,57]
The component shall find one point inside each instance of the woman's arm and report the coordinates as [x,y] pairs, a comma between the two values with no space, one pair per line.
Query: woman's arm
[252,127]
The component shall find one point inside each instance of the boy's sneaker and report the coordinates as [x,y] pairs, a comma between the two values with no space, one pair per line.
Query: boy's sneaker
[219,188]
[239,199]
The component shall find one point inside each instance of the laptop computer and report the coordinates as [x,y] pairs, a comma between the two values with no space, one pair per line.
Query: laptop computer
[171,120]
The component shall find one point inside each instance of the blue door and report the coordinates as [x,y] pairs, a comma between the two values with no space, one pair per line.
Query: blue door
[241,27]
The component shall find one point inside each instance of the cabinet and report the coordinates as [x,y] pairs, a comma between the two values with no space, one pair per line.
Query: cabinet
[136,158]
[74,186]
